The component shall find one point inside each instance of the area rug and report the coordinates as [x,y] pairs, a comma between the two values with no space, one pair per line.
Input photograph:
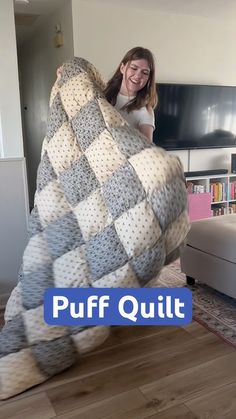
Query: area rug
[212,309]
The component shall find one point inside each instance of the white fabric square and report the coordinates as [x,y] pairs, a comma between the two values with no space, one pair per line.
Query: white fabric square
[123,277]
[111,117]
[51,203]
[76,92]
[36,253]
[63,149]
[14,304]
[71,269]
[92,215]
[104,156]
[88,339]
[37,329]
[154,168]
[179,228]
[19,371]
[138,229]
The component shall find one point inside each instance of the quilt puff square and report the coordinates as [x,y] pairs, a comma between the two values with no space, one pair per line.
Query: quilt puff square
[88,339]
[34,284]
[57,116]
[13,337]
[36,253]
[88,124]
[36,328]
[19,371]
[79,181]
[51,203]
[92,215]
[138,229]
[46,172]
[123,277]
[104,156]
[149,263]
[169,201]
[122,191]
[63,235]
[154,168]
[111,117]
[176,232]
[63,149]
[71,270]
[129,140]
[76,93]
[105,253]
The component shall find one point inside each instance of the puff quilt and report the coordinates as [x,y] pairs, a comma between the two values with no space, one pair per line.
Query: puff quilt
[110,211]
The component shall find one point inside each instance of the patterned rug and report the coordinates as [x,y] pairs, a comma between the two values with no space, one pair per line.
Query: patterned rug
[212,309]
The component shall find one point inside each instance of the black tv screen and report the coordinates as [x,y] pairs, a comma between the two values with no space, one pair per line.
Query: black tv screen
[195,116]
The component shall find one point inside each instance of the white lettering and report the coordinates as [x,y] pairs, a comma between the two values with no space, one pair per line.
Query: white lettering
[59,307]
[132,314]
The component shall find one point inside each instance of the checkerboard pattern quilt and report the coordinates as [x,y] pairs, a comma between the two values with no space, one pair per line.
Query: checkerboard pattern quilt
[110,211]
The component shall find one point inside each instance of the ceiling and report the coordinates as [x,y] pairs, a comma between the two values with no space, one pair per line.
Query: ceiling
[38,9]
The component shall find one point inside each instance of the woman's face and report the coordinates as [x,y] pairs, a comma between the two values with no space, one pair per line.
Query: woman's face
[135,76]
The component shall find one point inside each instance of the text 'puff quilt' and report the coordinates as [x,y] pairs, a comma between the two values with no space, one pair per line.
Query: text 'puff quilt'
[110,211]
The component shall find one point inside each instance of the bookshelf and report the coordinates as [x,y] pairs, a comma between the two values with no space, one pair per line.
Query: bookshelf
[211,195]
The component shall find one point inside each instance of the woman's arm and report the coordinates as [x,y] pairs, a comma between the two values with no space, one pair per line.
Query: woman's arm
[147,131]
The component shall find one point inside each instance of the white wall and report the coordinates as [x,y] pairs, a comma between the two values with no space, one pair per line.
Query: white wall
[188,49]
[14,210]
[11,143]
[38,61]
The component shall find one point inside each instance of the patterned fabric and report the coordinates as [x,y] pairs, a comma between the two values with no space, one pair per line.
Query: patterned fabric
[110,211]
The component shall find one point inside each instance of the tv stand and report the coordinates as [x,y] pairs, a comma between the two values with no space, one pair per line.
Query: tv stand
[206,172]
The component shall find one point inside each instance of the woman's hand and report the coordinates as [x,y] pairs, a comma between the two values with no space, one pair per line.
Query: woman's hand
[59,72]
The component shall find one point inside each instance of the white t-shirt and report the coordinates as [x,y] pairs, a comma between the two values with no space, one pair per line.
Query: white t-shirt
[136,117]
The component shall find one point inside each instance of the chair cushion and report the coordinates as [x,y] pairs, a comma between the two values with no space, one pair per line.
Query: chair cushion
[216,236]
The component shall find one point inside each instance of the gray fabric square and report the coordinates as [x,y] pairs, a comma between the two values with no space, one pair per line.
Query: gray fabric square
[129,140]
[55,356]
[123,190]
[35,226]
[57,117]
[149,263]
[46,172]
[12,337]
[79,181]
[33,286]
[63,235]
[169,202]
[74,330]
[105,253]
[88,124]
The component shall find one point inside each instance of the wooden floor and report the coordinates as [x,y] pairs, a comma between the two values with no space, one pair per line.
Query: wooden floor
[140,372]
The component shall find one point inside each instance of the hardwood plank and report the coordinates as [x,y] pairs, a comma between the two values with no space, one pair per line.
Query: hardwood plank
[136,373]
[131,403]
[176,412]
[34,407]
[191,383]
[216,404]
[196,330]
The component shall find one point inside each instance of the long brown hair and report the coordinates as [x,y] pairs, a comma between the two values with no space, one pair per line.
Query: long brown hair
[147,96]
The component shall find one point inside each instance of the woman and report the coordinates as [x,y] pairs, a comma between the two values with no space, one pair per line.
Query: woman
[132,90]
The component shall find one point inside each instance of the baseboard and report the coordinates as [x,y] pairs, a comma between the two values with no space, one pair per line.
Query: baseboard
[3,300]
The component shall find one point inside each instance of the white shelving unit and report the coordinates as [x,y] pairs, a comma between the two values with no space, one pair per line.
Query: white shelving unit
[222,189]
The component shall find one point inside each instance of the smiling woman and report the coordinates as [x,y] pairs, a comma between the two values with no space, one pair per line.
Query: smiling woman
[132,90]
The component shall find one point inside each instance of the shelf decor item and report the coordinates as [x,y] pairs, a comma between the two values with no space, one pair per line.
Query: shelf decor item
[211,195]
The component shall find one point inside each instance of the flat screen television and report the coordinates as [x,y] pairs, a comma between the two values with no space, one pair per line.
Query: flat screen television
[195,116]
